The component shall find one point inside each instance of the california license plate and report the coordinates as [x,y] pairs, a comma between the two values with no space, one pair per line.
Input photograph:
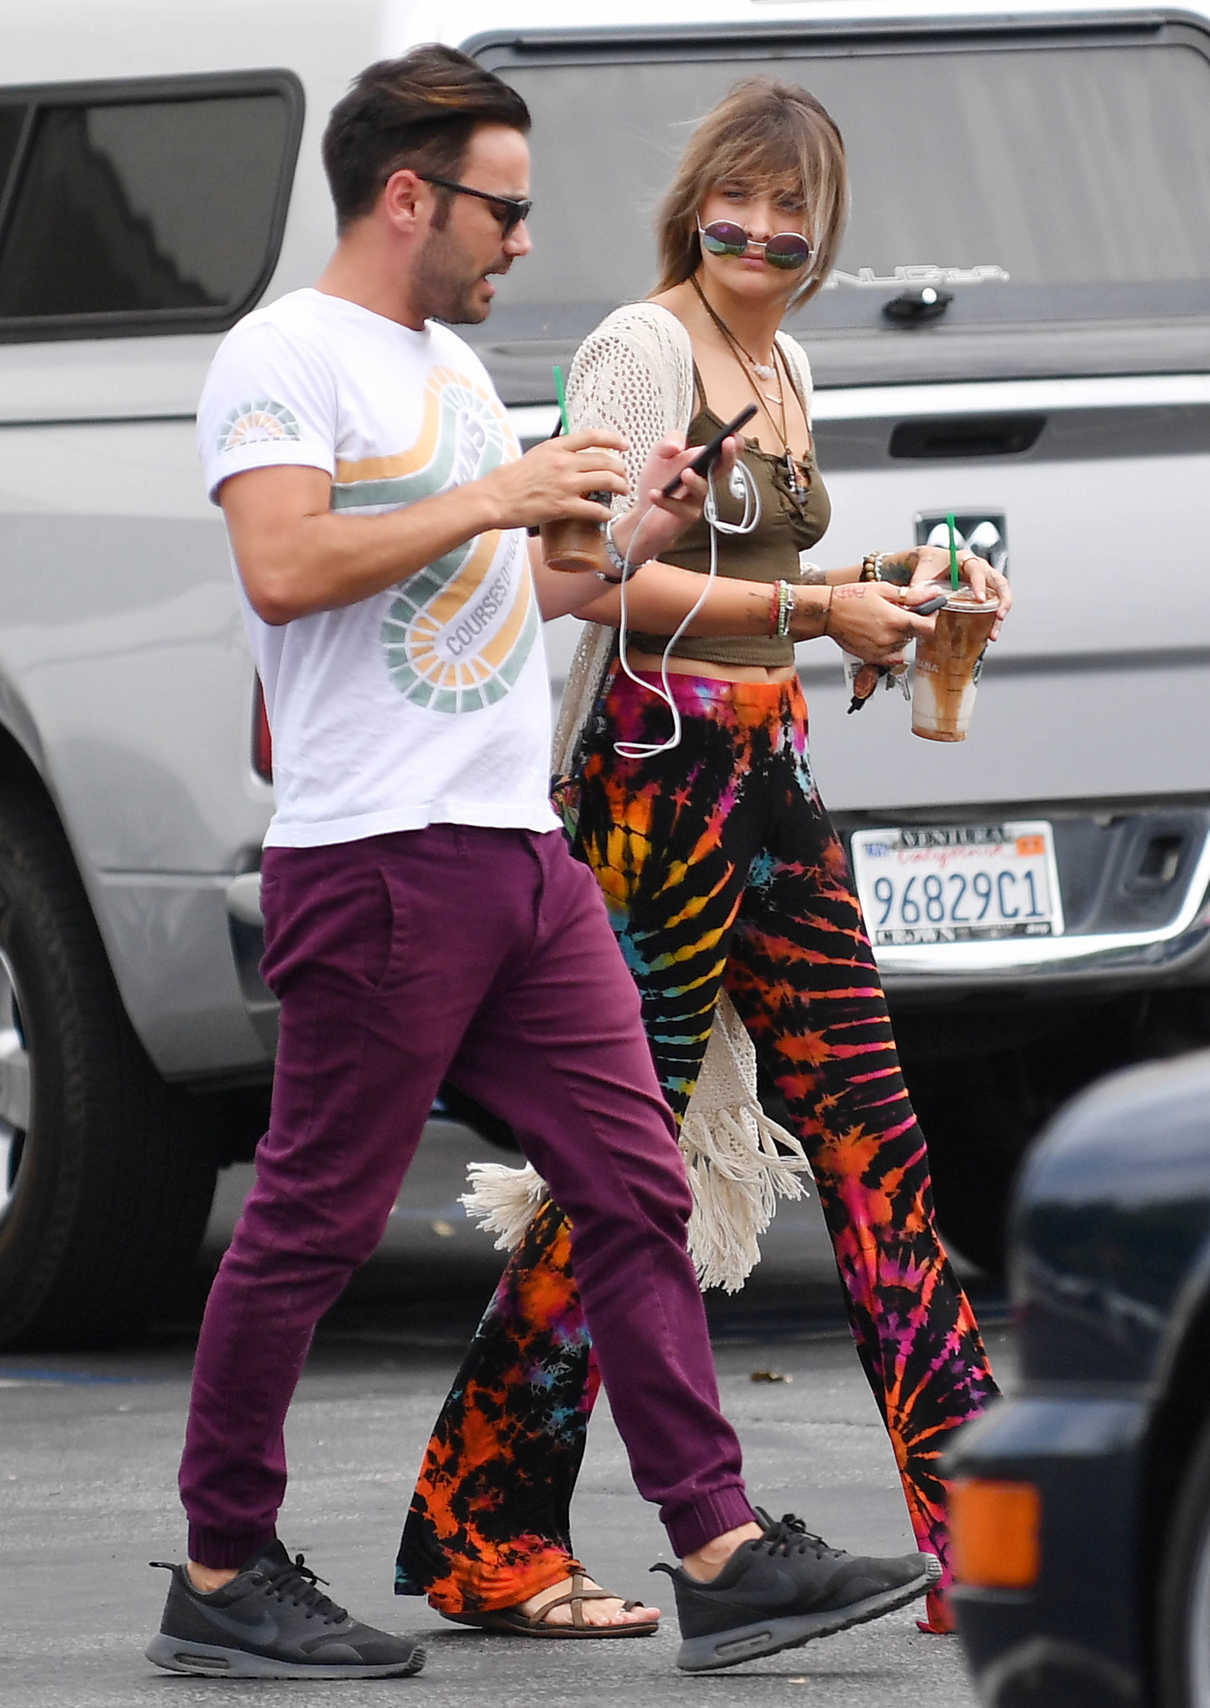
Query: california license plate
[954,883]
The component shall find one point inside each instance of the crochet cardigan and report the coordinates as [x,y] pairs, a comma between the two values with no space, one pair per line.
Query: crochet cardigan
[635,374]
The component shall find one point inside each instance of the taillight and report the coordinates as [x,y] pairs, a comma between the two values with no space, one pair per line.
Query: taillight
[995,1530]
[262,740]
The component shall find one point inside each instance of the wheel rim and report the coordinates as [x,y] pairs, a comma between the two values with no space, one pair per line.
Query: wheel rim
[1198,1627]
[14,1086]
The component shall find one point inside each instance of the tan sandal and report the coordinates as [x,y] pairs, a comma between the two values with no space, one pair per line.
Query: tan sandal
[514,1622]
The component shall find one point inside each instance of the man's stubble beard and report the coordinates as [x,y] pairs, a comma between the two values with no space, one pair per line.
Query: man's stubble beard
[440,286]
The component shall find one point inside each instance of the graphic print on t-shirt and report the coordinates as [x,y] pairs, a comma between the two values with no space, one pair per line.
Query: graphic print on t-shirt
[256,422]
[456,634]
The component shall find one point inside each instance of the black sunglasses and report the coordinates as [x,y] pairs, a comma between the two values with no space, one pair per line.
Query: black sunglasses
[507,209]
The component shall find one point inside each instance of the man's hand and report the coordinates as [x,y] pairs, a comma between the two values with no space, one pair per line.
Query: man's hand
[871,619]
[654,522]
[553,479]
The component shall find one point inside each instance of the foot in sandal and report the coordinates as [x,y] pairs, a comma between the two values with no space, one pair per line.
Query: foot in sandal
[573,1607]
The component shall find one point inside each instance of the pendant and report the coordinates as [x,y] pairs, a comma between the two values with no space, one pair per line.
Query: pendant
[764,371]
[798,494]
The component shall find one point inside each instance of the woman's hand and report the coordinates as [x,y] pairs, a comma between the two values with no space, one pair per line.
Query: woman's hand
[654,522]
[871,619]
[932,564]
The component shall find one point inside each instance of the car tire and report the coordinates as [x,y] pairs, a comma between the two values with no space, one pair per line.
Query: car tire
[1182,1615]
[105,1187]
[459,1106]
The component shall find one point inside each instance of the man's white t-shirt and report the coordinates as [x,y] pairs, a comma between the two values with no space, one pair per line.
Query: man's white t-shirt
[428,702]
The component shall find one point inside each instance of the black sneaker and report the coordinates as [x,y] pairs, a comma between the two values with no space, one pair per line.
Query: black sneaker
[272,1621]
[784,1588]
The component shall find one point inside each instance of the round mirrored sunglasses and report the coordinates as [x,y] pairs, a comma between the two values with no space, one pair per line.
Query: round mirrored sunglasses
[786,249]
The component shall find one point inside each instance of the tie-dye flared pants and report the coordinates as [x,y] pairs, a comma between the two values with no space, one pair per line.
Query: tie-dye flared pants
[720,868]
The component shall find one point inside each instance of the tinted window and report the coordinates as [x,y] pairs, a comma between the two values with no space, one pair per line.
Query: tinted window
[147,211]
[1042,179]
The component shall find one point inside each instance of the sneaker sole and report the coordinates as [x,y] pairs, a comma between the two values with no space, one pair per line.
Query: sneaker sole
[769,1636]
[209,1660]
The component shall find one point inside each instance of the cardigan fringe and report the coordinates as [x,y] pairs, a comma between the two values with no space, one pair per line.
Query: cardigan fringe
[739,1161]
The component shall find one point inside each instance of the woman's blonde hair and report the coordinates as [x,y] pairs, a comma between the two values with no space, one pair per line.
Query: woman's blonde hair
[763,132]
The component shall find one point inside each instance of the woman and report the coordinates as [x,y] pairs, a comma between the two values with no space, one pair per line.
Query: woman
[722,875]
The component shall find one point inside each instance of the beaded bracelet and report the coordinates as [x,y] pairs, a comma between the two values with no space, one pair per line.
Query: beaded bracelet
[785,608]
[774,609]
[875,567]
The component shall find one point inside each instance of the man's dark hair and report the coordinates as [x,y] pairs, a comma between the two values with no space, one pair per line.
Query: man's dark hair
[418,111]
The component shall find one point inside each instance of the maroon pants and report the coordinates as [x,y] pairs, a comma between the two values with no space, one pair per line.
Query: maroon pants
[484,957]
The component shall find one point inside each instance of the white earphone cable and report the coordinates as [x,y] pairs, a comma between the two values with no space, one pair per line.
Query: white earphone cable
[750,519]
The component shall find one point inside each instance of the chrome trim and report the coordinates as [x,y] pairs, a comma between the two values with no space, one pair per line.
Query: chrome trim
[1183,938]
[975,397]
[969,397]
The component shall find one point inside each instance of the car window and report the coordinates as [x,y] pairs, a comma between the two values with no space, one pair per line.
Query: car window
[142,212]
[1040,180]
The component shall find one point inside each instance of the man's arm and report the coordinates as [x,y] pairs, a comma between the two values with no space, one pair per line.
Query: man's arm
[651,524]
[297,556]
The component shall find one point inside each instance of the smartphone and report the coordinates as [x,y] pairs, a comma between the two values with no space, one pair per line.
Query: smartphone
[709,454]
[929,606]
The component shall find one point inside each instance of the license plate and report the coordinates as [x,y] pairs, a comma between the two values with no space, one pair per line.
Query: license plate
[956,883]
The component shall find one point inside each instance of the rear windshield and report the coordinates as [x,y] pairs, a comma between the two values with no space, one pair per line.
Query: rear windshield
[141,208]
[1051,181]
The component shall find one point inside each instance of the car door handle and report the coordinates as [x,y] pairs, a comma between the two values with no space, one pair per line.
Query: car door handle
[966,436]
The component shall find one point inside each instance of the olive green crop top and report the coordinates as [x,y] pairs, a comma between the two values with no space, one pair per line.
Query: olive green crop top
[769,553]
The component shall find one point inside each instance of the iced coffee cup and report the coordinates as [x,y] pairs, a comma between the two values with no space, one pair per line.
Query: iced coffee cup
[948,666]
[571,543]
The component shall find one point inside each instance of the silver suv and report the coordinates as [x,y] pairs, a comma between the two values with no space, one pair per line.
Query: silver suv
[1018,331]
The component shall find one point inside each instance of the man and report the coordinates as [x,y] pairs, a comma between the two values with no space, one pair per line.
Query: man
[423,917]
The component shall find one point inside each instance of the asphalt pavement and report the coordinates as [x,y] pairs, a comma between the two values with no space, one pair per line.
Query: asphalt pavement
[89,1444]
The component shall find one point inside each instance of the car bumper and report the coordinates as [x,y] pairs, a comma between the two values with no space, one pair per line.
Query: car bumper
[169,937]
[1175,949]
[246,927]
[1073,1633]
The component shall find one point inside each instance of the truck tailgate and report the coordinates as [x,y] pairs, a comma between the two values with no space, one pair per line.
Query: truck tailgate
[1099,687]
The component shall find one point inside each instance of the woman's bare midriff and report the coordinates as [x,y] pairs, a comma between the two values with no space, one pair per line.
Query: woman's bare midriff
[710,667]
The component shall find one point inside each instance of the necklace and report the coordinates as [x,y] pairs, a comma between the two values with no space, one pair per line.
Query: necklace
[763,370]
[795,489]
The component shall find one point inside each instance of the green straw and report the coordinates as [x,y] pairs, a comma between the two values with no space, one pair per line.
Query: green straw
[949,522]
[562,396]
